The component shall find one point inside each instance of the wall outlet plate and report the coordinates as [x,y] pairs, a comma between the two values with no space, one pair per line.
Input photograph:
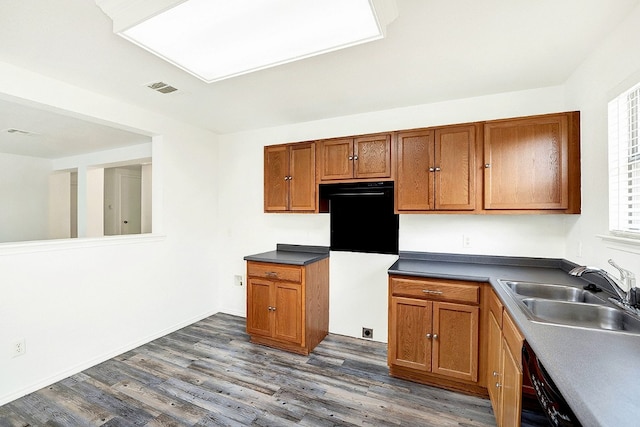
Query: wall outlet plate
[367,333]
[237,280]
[19,348]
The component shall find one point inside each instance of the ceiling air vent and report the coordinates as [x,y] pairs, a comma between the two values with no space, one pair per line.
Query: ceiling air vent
[162,87]
[15,131]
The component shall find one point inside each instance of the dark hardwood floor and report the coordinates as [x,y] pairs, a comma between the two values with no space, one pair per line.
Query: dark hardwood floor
[208,374]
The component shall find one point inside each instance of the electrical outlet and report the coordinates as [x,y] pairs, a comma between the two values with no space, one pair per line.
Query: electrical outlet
[237,280]
[19,348]
[466,241]
[367,333]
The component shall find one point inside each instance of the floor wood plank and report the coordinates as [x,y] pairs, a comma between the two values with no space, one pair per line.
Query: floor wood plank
[209,374]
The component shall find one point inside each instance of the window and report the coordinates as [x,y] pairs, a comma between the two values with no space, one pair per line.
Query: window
[624,163]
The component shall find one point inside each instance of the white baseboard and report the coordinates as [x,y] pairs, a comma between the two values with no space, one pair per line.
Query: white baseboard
[99,359]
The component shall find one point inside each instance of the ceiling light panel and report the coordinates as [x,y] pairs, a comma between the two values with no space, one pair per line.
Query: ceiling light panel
[218,39]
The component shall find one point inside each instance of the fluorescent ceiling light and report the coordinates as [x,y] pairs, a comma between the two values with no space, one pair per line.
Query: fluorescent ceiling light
[219,39]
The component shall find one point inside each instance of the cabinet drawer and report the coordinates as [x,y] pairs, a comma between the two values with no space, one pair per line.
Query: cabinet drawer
[450,290]
[513,337]
[495,306]
[274,271]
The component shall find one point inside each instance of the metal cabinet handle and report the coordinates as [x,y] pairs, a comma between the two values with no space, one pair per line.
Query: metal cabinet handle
[487,165]
[270,308]
[429,336]
[495,374]
[435,336]
[271,274]
[429,291]
[437,169]
[432,170]
[286,178]
[355,157]
[498,385]
[350,157]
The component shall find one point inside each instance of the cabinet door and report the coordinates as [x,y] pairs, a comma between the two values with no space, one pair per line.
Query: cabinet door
[336,159]
[302,185]
[410,322]
[511,408]
[455,160]
[287,312]
[276,184]
[526,163]
[455,340]
[414,181]
[494,366]
[372,157]
[258,303]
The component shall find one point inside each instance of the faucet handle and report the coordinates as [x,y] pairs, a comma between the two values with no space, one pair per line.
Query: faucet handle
[627,277]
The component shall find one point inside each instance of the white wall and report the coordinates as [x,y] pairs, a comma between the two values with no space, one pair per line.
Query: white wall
[247,230]
[24,186]
[613,67]
[80,301]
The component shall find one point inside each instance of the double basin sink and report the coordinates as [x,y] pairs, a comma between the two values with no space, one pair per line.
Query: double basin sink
[570,306]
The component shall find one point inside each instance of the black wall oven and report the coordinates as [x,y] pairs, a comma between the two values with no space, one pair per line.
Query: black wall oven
[362,217]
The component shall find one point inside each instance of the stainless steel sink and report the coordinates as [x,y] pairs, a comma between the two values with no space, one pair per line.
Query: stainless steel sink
[570,306]
[552,292]
[582,315]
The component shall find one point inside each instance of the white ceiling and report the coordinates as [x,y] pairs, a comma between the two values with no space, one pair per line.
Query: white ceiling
[435,50]
[54,135]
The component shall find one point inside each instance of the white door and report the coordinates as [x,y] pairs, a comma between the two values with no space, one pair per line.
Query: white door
[130,204]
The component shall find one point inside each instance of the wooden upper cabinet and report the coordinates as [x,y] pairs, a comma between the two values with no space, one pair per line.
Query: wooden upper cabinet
[414,181]
[355,158]
[336,157]
[302,177]
[372,157]
[289,178]
[436,169]
[276,172]
[533,163]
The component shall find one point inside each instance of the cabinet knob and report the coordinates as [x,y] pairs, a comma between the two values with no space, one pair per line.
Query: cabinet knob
[437,169]
[355,157]
[487,165]
[429,336]
[350,157]
[435,336]
[270,308]
[432,170]
[495,374]
[286,178]
[498,385]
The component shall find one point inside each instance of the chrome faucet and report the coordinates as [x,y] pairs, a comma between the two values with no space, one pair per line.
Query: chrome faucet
[627,279]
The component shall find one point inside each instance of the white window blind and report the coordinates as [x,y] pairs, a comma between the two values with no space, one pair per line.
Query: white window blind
[624,163]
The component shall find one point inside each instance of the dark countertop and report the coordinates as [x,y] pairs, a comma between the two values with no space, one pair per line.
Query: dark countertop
[291,254]
[596,371]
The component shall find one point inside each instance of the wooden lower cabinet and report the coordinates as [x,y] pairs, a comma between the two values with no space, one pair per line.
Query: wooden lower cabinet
[434,330]
[504,373]
[288,306]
